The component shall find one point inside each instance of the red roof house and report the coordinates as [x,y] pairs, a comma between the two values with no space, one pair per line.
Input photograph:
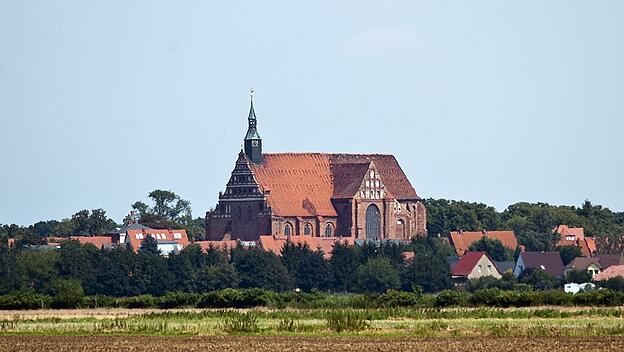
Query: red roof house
[462,240]
[575,236]
[473,265]
[169,241]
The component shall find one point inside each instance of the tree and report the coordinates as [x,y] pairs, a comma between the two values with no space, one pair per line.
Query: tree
[568,253]
[68,293]
[149,245]
[578,276]
[345,258]
[377,275]
[259,268]
[494,248]
[217,277]
[168,211]
[308,268]
[539,279]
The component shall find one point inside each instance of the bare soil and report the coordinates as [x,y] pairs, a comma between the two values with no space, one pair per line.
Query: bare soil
[285,343]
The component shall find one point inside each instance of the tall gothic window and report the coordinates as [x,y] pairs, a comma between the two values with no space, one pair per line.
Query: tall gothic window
[307,229]
[287,229]
[329,230]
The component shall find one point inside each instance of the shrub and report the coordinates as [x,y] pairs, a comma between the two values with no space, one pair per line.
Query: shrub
[346,320]
[237,298]
[449,298]
[177,299]
[393,298]
[241,323]
[68,293]
[142,301]
[25,300]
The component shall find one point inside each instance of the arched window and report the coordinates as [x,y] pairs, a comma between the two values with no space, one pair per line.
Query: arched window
[400,228]
[287,229]
[329,230]
[307,229]
[373,222]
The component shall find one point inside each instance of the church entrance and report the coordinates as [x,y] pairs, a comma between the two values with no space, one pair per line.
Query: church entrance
[373,222]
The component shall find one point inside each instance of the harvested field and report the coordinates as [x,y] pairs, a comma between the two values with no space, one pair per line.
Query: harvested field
[331,344]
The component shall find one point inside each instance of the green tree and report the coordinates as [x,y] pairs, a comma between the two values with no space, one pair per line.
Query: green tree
[68,293]
[539,279]
[217,277]
[568,253]
[494,248]
[578,276]
[377,275]
[345,258]
[259,268]
[168,210]
[308,268]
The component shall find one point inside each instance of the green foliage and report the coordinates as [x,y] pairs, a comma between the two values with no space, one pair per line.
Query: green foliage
[346,320]
[428,269]
[377,275]
[25,299]
[539,279]
[444,216]
[494,248]
[259,268]
[236,298]
[239,323]
[451,298]
[168,210]
[68,293]
[568,253]
[308,268]
[579,276]
[614,284]
[394,298]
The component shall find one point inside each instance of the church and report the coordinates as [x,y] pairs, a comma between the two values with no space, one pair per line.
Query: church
[363,196]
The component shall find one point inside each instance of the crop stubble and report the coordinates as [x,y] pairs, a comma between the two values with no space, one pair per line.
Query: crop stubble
[285,344]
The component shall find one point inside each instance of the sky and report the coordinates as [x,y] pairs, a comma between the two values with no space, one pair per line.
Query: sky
[497,102]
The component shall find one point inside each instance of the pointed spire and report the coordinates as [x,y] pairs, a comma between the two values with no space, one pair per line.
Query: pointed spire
[252,113]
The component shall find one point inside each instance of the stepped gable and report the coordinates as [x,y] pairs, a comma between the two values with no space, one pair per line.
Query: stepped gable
[303,184]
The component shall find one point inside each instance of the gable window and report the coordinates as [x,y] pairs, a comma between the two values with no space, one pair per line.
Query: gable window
[287,229]
[329,230]
[307,229]
[479,268]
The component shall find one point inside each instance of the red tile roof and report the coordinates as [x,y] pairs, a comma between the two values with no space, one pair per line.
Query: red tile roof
[97,241]
[226,244]
[136,236]
[610,272]
[467,262]
[303,184]
[462,240]
[325,244]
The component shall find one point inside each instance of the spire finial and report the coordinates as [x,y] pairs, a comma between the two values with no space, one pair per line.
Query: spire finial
[251,93]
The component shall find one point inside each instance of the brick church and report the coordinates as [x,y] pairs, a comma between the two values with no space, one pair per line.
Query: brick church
[365,196]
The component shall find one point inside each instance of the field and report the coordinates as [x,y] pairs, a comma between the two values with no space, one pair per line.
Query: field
[465,329]
[290,343]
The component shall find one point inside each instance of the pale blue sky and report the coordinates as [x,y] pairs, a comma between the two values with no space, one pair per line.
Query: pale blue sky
[490,101]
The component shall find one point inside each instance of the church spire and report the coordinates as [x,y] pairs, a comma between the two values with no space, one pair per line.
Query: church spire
[253,142]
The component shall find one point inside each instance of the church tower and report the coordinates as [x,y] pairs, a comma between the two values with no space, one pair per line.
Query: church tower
[253,142]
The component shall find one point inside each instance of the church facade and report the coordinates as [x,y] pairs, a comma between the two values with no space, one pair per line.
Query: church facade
[364,196]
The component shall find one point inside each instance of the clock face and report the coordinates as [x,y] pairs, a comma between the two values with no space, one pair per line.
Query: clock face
[254,143]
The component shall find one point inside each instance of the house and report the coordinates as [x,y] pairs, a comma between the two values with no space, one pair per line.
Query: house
[462,240]
[473,265]
[607,260]
[547,261]
[610,272]
[169,241]
[505,266]
[590,264]
[575,236]
[98,241]
[363,196]
[325,244]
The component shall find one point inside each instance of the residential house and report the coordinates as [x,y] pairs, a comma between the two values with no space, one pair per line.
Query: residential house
[610,272]
[590,264]
[547,261]
[575,236]
[473,265]
[169,241]
[505,266]
[462,240]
